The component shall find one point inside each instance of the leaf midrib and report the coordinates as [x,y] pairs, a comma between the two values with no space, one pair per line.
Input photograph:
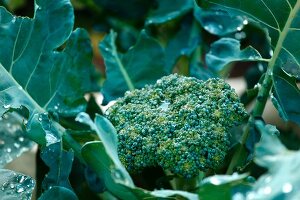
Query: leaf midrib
[282,37]
[7,74]
[121,66]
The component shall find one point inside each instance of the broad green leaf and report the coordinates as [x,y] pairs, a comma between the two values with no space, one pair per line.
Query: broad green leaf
[60,165]
[227,50]
[33,73]
[282,20]
[142,64]
[282,179]
[184,43]
[13,141]
[59,193]
[116,183]
[169,10]
[219,22]
[287,95]
[222,186]
[108,136]
[15,186]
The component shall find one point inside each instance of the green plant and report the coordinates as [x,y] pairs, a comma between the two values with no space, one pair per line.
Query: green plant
[177,123]
[47,75]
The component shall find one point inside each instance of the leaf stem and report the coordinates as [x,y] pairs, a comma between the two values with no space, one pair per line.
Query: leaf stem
[241,153]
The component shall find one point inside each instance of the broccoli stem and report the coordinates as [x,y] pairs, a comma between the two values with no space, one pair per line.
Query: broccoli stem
[186,184]
[241,153]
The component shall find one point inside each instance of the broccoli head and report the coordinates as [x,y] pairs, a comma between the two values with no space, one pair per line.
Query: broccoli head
[180,123]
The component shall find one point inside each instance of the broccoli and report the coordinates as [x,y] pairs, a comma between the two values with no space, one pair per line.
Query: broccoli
[180,123]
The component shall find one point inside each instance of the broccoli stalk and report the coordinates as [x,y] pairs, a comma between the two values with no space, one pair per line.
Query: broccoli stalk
[180,123]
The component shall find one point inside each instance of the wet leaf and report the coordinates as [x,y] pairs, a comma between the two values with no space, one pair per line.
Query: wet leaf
[282,180]
[13,141]
[15,186]
[32,72]
[219,22]
[283,29]
[223,186]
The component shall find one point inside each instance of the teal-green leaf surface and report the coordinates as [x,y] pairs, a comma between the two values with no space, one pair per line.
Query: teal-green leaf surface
[282,20]
[281,181]
[33,73]
[227,50]
[169,10]
[59,193]
[142,64]
[219,22]
[106,162]
[15,186]
[287,94]
[222,186]
[60,165]
[12,141]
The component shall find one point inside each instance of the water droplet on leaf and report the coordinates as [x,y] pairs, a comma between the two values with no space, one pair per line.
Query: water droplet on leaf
[6,106]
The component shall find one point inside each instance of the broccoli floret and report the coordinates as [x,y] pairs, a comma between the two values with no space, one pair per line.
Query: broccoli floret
[180,123]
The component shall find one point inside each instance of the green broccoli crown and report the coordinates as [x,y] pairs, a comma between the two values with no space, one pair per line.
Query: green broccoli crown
[180,123]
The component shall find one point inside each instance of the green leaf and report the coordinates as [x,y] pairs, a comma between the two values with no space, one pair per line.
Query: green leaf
[13,141]
[143,64]
[60,165]
[103,159]
[282,180]
[33,73]
[169,10]
[184,43]
[287,95]
[108,136]
[227,50]
[222,186]
[219,22]
[283,28]
[115,181]
[15,186]
[59,193]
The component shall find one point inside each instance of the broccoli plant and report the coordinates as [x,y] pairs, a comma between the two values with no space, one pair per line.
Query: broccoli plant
[168,65]
[178,124]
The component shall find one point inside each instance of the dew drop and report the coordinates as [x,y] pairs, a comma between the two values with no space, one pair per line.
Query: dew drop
[40,119]
[150,21]
[20,87]
[21,139]
[19,190]
[12,186]
[22,179]
[239,28]
[17,145]
[245,22]
[56,107]
[267,190]
[220,26]
[14,19]
[6,106]
[287,188]
[106,49]
[8,150]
